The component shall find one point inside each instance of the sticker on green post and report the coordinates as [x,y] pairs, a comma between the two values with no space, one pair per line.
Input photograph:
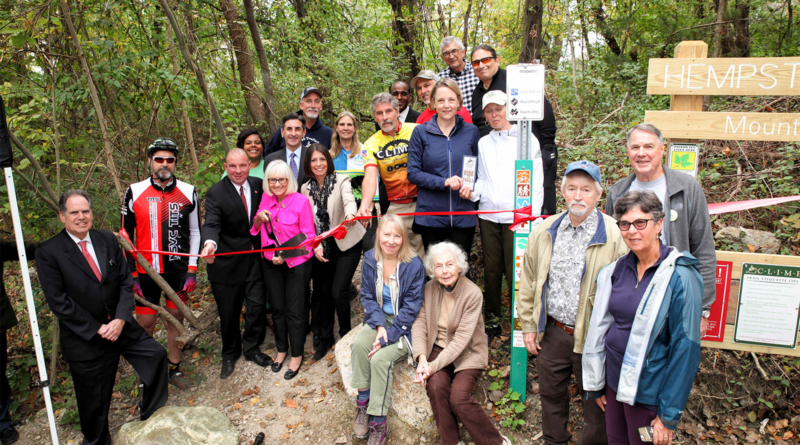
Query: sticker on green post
[519,355]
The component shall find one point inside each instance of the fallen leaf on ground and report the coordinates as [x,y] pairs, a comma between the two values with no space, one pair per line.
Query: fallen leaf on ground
[254,400]
[341,440]
[117,395]
[788,435]
[237,405]
[321,399]
[270,416]
[305,408]
[191,400]
[333,370]
[256,389]
[132,410]
[307,395]
[291,403]
[195,354]
[285,437]
[247,392]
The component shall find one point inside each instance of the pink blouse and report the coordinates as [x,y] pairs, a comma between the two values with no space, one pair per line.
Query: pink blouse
[289,218]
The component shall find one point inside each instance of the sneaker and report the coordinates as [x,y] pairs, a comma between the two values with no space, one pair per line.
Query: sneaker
[506,441]
[9,436]
[361,426]
[177,379]
[378,432]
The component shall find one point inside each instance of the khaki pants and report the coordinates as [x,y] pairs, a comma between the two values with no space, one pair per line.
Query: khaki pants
[415,240]
[376,373]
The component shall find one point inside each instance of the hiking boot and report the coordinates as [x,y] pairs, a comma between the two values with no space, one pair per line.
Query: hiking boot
[179,380]
[9,436]
[361,426]
[378,432]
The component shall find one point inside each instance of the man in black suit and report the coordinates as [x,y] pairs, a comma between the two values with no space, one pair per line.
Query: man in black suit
[231,205]
[88,286]
[293,130]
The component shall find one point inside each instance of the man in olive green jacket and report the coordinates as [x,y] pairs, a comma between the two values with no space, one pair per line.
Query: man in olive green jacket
[557,286]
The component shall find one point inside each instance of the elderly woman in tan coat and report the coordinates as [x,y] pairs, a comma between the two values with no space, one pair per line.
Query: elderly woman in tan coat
[450,346]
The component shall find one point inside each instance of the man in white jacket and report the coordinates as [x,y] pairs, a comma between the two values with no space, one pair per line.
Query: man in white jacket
[494,189]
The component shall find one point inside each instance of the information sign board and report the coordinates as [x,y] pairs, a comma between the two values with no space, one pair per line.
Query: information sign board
[719,310]
[683,158]
[525,90]
[769,306]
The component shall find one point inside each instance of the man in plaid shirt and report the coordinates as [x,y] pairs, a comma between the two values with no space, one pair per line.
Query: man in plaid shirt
[453,53]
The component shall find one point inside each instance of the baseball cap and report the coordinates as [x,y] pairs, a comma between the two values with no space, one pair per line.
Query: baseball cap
[494,97]
[424,74]
[586,166]
[310,90]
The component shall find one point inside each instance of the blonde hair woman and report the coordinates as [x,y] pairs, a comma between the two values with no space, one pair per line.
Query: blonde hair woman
[392,282]
[345,146]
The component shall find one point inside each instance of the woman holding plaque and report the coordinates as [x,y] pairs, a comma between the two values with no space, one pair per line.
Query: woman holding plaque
[437,154]
[642,349]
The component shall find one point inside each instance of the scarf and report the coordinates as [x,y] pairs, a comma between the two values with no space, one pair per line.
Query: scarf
[320,196]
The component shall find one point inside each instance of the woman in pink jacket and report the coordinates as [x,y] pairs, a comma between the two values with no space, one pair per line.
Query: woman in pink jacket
[282,215]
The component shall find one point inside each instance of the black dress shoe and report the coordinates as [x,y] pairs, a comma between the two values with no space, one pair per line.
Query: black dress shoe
[322,351]
[227,369]
[9,436]
[292,374]
[276,366]
[260,359]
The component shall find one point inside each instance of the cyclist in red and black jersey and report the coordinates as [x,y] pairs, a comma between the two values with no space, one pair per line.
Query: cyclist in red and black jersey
[163,213]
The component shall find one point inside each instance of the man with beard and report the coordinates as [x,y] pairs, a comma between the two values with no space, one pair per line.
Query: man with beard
[401,91]
[317,132]
[558,281]
[386,154]
[162,213]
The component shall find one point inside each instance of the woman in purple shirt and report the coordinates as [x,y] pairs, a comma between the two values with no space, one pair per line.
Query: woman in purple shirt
[289,214]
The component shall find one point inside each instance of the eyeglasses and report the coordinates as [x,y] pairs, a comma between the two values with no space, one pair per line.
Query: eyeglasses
[640,224]
[400,93]
[274,181]
[450,53]
[484,61]
[161,160]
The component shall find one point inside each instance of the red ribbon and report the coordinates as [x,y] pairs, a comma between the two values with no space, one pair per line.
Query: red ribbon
[521,216]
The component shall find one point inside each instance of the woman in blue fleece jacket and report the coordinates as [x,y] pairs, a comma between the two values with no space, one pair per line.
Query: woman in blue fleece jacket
[436,153]
[643,346]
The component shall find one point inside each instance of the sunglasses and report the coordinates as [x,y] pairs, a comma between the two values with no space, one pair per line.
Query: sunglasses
[161,160]
[640,224]
[485,61]
[400,93]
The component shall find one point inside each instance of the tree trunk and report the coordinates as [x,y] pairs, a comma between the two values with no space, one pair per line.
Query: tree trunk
[187,123]
[201,81]
[465,40]
[445,31]
[112,169]
[244,63]
[605,30]
[742,41]
[719,29]
[266,76]
[405,31]
[532,32]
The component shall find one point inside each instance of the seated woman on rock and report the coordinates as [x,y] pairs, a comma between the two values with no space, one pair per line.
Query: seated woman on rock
[392,278]
[451,346]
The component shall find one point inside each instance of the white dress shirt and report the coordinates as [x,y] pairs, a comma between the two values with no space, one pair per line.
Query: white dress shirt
[89,247]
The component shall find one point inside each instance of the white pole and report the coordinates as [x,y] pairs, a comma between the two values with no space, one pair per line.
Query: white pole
[26,279]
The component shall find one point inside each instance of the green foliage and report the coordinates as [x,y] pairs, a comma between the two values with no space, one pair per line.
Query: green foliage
[509,406]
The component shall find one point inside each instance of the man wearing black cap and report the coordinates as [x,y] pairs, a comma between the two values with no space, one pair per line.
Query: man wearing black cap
[310,108]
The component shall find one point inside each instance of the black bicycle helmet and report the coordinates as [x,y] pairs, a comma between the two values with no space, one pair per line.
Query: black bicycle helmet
[162,144]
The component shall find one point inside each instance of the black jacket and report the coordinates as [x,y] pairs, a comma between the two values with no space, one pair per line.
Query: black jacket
[8,252]
[228,225]
[82,303]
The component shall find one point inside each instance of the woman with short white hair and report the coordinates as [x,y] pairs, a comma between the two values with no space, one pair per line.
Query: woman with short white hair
[283,215]
[450,346]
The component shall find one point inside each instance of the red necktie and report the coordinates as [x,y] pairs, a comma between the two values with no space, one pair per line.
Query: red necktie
[241,195]
[90,260]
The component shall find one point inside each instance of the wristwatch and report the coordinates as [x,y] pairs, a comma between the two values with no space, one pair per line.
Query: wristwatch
[706,313]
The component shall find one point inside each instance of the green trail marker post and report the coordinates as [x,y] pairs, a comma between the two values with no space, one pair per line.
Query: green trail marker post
[525,92]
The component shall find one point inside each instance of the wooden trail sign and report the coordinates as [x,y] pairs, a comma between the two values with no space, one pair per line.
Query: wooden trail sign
[727,126]
[765,76]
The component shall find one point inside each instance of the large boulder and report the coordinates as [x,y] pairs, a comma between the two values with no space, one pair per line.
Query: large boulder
[409,400]
[762,242]
[177,425]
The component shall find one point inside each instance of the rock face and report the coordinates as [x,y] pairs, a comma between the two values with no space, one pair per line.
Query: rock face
[762,242]
[409,400]
[174,425]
